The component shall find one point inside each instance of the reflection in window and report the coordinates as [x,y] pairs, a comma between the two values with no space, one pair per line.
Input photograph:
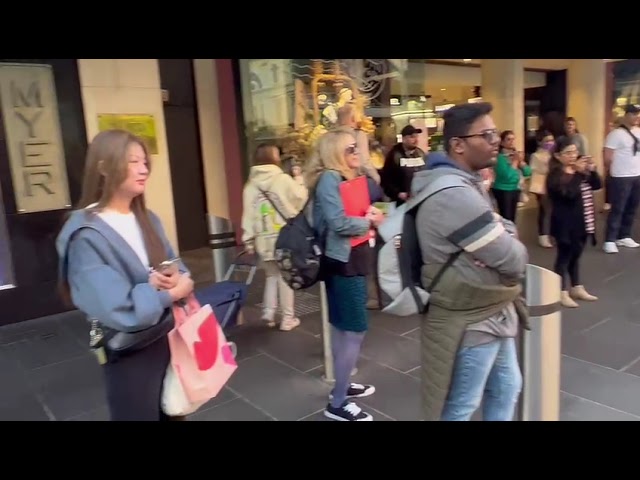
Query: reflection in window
[294,101]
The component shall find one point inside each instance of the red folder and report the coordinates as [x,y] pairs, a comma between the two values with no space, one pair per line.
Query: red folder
[356,201]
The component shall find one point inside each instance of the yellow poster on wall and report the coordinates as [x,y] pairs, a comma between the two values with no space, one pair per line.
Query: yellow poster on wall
[144,126]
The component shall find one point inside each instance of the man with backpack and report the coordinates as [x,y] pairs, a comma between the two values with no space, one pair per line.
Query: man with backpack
[468,333]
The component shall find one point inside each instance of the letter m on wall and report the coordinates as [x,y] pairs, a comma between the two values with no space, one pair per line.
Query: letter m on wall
[26,95]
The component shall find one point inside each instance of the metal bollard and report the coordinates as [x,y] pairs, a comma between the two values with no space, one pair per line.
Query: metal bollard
[541,348]
[222,241]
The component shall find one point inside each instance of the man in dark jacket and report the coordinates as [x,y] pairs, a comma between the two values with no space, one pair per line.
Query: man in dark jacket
[401,163]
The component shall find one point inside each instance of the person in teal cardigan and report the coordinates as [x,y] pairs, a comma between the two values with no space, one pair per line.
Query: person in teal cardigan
[509,171]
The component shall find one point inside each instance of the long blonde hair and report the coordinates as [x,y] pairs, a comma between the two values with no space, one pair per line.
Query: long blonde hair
[106,168]
[329,154]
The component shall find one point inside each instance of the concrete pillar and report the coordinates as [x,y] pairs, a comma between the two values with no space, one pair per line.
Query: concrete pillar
[132,86]
[587,102]
[503,86]
[213,158]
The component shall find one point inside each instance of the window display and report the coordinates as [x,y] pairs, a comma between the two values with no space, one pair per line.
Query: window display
[294,101]
[626,85]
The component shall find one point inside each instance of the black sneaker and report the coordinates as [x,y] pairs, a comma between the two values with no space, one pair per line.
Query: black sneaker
[357,390]
[348,412]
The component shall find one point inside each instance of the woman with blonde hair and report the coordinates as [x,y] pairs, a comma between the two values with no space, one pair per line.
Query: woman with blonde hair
[270,198]
[344,268]
[110,254]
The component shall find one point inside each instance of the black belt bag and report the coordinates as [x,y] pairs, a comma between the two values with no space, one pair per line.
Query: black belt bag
[119,344]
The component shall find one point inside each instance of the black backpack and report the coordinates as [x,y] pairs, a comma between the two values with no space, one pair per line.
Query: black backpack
[297,251]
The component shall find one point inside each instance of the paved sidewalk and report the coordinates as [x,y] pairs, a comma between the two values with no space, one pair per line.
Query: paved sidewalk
[48,374]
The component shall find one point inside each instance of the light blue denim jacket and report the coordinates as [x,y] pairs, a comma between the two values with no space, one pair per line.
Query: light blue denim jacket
[108,281]
[330,220]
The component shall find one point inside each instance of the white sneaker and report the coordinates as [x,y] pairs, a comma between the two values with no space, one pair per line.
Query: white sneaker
[627,242]
[267,317]
[289,324]
[610,247]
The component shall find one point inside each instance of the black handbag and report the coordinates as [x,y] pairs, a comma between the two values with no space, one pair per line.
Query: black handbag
[118,344]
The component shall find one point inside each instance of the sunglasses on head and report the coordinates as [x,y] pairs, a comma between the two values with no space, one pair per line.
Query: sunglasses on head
[351,149]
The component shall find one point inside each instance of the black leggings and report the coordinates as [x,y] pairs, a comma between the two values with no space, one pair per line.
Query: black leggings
[507,201]
[134,384]
[568,262]
[543,214]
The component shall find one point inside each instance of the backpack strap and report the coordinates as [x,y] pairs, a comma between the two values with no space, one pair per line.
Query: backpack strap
[443,183]
[636,141]
[452,258]
[273,204]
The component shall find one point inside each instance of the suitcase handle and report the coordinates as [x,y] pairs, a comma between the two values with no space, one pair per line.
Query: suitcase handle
[244,259]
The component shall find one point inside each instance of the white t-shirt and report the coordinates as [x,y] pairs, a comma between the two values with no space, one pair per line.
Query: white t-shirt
[126,225]
[624,163]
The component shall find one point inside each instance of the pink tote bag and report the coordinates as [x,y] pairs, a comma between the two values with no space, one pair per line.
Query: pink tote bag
[200,354]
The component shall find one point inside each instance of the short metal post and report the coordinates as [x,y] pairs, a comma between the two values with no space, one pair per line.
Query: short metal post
[326,336]
[541,347]
[222,242]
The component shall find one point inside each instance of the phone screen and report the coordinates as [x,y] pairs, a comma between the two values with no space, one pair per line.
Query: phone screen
[169,266]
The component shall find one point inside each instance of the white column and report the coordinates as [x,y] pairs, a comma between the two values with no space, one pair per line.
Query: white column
[586,102]
[503,87]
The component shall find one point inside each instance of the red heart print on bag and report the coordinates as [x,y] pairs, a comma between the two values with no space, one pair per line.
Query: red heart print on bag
[206,350]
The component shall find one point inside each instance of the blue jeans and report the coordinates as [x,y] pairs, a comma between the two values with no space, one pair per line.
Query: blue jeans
[491,371]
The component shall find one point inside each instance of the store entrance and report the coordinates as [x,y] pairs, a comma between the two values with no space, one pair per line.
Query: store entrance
[183,142]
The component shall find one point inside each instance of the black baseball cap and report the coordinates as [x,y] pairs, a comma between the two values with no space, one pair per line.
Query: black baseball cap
[631,108]
[410,130]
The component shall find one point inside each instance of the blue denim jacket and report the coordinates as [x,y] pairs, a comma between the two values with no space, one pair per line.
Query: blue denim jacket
[329,220]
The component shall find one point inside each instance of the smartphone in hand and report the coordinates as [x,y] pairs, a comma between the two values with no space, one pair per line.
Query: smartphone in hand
[169,267]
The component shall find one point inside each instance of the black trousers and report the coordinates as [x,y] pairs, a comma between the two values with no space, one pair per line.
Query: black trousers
[134,384]
[624,196]
[507,201]
[568,262]
[544,210]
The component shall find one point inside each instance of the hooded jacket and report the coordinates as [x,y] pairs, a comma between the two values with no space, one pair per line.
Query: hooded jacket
[471,302]
[261,221]
[463,218]
[107,280]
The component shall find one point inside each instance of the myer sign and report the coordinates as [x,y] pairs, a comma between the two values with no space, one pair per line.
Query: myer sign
[33,137]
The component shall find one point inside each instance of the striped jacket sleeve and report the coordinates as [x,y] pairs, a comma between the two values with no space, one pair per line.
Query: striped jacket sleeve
[471,225]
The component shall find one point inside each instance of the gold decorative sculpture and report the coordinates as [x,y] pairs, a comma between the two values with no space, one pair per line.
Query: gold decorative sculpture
[320,118]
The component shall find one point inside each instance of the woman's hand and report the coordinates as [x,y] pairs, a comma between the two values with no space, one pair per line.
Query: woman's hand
[581,165]
[183,288]
[375,216]
[162,281]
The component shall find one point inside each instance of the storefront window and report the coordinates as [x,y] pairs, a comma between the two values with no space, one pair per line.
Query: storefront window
[6,266]
[294,101]
[626,85]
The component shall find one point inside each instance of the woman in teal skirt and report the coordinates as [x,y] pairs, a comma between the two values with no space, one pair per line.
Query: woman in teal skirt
[344,269]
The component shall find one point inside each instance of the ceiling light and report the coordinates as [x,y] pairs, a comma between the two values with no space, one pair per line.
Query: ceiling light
[466,60]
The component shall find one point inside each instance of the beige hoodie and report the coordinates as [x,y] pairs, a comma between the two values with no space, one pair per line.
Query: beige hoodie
[261,222]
